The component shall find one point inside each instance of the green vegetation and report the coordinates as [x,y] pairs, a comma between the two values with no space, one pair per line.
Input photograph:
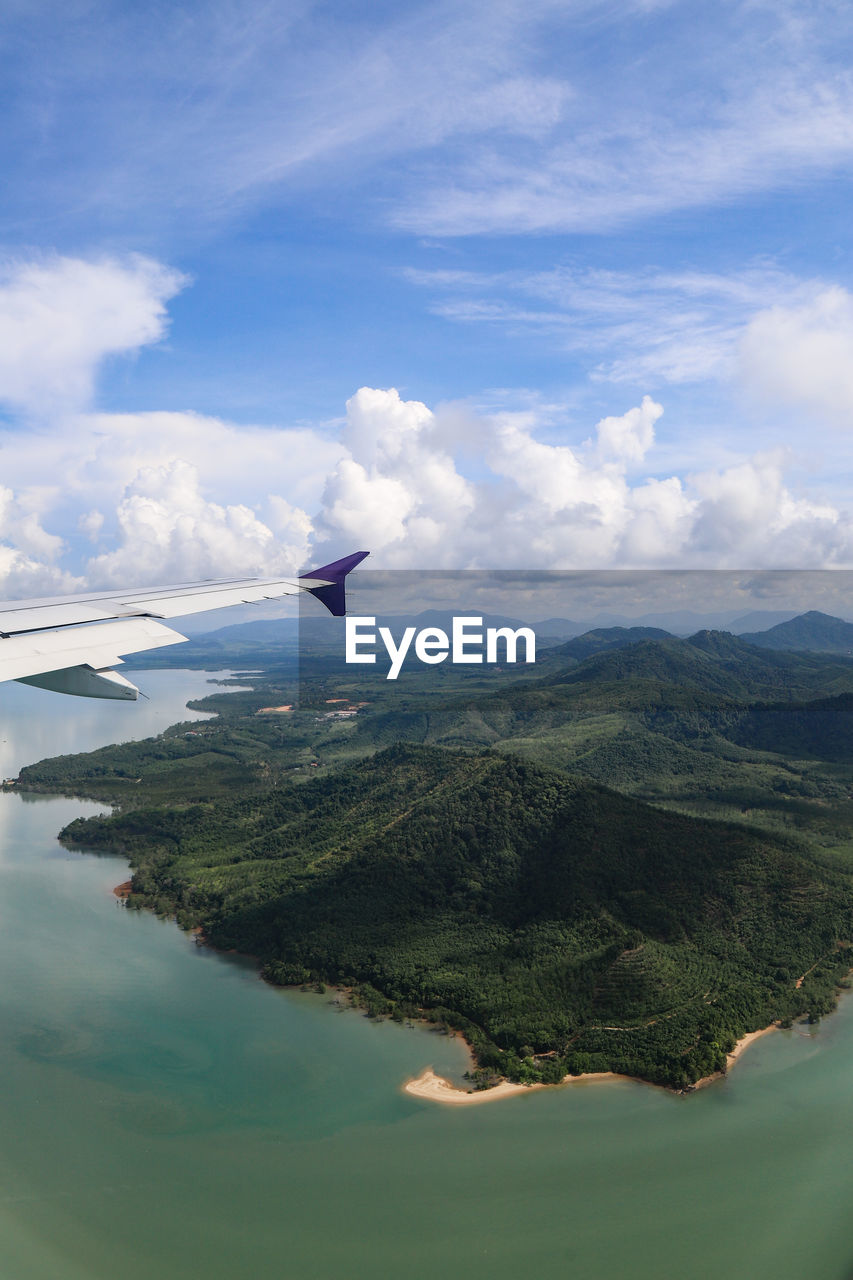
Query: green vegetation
[817,631]
[624,865]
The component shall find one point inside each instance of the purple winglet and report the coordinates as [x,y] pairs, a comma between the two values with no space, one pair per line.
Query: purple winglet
[333,596]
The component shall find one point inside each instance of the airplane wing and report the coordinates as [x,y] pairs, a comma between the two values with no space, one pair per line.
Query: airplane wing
[71,643]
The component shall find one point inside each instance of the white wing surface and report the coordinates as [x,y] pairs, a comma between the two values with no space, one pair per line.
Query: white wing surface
[71,643]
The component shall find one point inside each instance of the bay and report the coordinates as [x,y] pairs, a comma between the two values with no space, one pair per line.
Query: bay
[164,1113]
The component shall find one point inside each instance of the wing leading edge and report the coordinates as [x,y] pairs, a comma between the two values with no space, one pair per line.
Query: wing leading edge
[70,644]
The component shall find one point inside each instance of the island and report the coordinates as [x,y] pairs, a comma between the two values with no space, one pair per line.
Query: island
[625,865]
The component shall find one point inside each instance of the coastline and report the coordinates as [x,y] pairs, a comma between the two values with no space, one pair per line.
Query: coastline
[436,1088]
[731,1058]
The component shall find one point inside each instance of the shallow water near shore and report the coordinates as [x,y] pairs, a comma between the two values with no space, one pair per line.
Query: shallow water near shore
[165,1113]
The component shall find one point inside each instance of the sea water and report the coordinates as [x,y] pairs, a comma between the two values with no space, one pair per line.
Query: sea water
[163,1113]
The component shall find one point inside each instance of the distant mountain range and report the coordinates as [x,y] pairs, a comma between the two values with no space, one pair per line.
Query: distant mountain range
[814,631]
[557,637]
[605,638]
[759,620]
[270,630]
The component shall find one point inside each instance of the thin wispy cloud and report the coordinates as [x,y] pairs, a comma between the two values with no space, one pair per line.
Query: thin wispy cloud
[653,327]
[214,107]
[608,177]
[715,104]
[451,119]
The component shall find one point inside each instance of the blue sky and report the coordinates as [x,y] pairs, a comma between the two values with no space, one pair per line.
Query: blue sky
[554,285]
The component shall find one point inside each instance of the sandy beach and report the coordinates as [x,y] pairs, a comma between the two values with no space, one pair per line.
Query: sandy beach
[731,1058]
[746,1041]
[437,1089]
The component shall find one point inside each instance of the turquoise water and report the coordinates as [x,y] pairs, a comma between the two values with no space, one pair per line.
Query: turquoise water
[164,1113]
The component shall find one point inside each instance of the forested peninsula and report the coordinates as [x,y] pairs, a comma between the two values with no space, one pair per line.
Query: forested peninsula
[625,864]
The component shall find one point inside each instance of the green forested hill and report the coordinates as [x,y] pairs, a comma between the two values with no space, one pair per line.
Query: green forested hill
[715,662]
[542,914]
[814,630]
[623,864]
[605,639]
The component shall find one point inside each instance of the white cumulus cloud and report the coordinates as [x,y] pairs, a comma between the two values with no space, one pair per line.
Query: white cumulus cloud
[114,478]
[162,497]
[28,552]
[61,316]
[398,480]
[802,355]
[540,504]
[168,528]
[628,438]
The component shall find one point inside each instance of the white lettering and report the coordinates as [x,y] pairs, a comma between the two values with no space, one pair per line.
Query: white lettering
[511,638]
[396,653]
[353,639]
[461,638]
[432,645]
